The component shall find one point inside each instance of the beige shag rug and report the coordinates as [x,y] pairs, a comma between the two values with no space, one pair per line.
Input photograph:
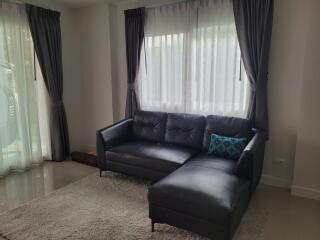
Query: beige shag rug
[112,207]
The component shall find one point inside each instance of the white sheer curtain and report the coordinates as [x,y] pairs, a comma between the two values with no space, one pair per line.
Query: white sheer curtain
[20,141]
[43,101]
[191,60]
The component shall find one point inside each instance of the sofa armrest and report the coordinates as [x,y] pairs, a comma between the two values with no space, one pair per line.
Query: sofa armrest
[250,163]
[110,137]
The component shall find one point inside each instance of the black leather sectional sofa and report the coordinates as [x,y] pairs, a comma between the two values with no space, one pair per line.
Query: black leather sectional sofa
[192,190]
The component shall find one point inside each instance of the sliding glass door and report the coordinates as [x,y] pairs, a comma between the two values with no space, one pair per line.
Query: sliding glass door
[20,142]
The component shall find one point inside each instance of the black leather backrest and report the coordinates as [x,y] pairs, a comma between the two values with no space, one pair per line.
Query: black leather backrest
[226,126]
[185,130]
[149,126]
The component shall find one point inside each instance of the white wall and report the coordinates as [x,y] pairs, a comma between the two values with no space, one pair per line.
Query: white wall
[294,98]
[285,77]
[118,56]
[307,160]
[118,86]
[73,88]
[93,39]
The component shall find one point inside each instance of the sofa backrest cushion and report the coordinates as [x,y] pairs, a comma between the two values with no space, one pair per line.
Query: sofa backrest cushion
[149,126]
[185,130]
[226,126]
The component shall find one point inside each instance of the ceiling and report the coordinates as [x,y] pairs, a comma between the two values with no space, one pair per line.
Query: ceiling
[84,3]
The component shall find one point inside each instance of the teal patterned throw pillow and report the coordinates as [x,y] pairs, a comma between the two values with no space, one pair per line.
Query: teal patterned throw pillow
[226,147]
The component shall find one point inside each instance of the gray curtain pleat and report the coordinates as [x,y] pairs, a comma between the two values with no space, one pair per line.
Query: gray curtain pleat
[253,20]
[46,34]
[134,28]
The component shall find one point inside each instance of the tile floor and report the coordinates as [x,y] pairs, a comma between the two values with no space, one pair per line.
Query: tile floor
[287,217]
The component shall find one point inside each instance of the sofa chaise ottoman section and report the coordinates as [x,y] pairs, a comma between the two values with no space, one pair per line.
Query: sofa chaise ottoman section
[219,163]
[203,200]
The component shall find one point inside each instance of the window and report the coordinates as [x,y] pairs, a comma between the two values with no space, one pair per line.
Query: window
[191,59]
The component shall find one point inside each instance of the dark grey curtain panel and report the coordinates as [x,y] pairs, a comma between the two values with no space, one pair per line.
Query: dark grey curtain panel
[46,34]
[253,20]
[134,27]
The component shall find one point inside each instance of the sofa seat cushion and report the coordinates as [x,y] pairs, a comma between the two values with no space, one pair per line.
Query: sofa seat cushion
[204,193]
[155,156]
[204,160]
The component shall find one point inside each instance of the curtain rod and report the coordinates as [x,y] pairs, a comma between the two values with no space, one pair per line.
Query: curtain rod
[12,1]
[23,3]
[165,4]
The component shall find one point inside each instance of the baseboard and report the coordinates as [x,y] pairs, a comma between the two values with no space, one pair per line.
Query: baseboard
[305,192]
[275,181]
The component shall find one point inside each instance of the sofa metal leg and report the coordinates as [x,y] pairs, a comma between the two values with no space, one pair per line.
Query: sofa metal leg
[100,173]
[152,226]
